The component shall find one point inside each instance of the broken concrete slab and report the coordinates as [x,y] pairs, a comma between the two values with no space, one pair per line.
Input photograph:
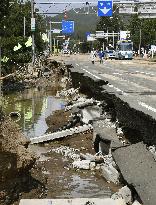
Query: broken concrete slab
[138,168]
[60,134]
[85,103]
[124,193]
[81,164]
[90,113]
[110,173]
[105,137]
[76,201]
[92,158]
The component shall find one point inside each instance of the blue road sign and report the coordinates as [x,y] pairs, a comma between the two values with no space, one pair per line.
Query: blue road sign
[105,8]
[67,27]
[87,34]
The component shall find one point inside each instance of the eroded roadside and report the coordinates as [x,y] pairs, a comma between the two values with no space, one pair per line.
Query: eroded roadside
[83,165]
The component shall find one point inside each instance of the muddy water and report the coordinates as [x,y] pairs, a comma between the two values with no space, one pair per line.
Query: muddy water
[34,107]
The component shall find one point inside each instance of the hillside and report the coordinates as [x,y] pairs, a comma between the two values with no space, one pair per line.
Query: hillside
[83,23]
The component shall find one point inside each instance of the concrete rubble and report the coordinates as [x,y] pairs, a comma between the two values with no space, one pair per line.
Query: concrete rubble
[81,164]
[110,173]
[67,152]
[105,136]
[81,104]
[67,93]
[124,193]
[90,113]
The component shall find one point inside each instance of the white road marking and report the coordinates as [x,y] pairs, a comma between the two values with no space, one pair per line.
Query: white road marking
[117,74]
[147,106]
[146,73]
[95,76]
[77,64]
[117,89]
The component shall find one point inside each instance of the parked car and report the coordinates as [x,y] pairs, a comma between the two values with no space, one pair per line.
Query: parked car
[110,54]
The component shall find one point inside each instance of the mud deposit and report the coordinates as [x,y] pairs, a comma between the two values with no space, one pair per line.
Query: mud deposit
[62,180]
[52,175]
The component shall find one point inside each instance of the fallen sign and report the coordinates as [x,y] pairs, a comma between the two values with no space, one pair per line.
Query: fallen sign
[61,134]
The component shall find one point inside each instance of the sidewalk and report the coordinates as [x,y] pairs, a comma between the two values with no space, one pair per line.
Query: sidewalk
[77,201]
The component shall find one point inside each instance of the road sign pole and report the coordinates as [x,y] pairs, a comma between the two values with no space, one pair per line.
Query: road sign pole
[113,39]
[33,38]
[24,27]
[107,36]
[140,43]
[0,74]
[54,44]
[103,46]
[50,39]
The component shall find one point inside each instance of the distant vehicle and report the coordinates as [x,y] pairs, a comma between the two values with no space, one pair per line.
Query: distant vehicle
[110,54]
[124,50]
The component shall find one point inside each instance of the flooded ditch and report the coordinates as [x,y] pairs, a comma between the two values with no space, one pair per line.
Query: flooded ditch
[53,172]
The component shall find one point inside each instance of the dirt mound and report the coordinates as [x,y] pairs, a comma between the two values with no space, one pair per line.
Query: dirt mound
[15,160]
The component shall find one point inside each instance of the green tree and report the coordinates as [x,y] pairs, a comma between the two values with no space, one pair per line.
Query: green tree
[110,24]
[143,30]
[12,34]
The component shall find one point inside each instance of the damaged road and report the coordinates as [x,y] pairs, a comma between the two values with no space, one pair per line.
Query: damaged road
[85,142]
[125,93]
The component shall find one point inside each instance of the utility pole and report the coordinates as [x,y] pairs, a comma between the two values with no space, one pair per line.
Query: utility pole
[54,44]
[24,27]
[33,39]
[0,73]
[113,39]
[140,43]
[107,36]
[57,45]
[50,36]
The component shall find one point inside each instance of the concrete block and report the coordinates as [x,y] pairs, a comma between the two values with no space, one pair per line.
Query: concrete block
[90,113]
[110,173]
[138,168]
[124,193]
[81,164]
[105,136]
[60,134]
[92,165]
